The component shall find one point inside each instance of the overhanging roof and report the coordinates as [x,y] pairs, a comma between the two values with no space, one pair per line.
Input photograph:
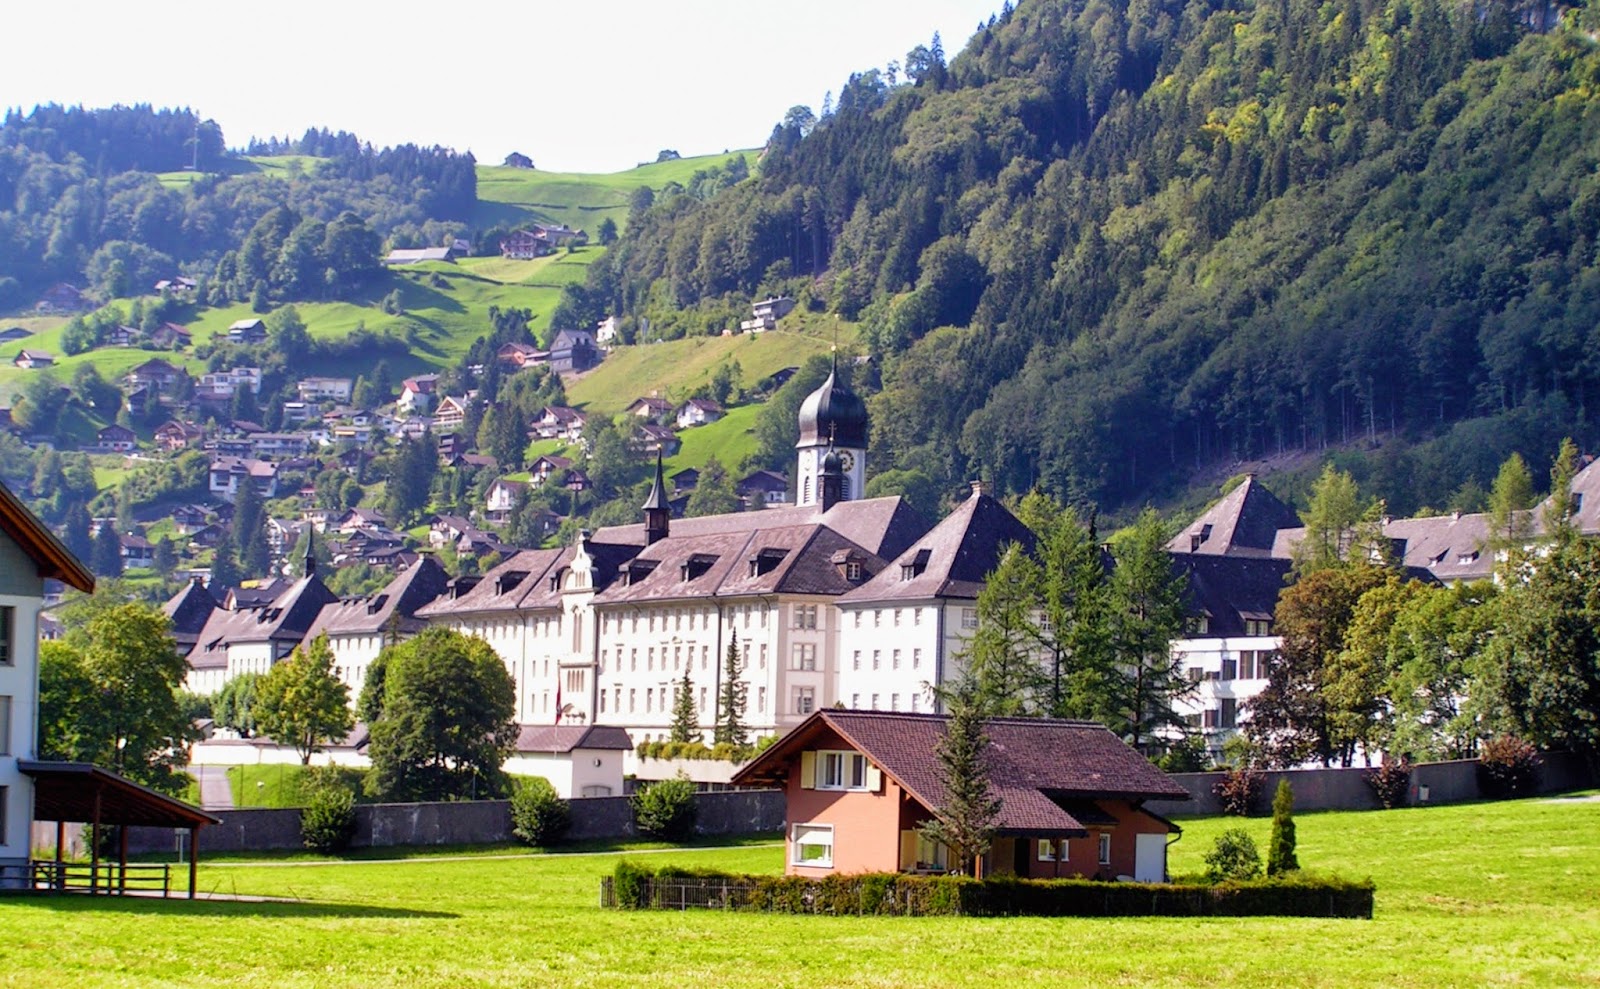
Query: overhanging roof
[66,791]
[51,557]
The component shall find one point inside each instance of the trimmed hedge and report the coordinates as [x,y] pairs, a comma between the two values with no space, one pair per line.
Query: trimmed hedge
[636,887]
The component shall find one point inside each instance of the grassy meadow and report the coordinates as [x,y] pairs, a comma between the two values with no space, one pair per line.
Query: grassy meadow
[579,200]
[1471,895]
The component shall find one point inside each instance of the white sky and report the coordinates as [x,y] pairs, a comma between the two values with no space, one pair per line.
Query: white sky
[580,85]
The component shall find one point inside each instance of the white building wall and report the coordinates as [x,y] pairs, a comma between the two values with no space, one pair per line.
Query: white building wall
[1226,673]
[893,655]
[19,681]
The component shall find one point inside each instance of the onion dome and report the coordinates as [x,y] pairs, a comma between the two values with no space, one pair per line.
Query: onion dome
[833,412]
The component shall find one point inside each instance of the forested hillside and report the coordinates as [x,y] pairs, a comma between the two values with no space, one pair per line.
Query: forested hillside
[1109,245]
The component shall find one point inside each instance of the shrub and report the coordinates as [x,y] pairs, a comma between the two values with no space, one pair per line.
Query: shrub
[538,814]
[631,883]
[1390,783]
[1239,790]
[1280,849]
[1508,767]
[1186,756]
[328,821]
[665,809]
[1233,856]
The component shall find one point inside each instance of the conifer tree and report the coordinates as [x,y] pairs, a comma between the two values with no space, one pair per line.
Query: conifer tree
[730,720]
[107,551]
[965,824]
[1280,850]
[685,720]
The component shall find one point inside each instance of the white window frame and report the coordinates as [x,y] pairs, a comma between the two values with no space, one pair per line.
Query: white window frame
[805,700]
[850,770]
[1047,849]
[797,832]
[1105,848]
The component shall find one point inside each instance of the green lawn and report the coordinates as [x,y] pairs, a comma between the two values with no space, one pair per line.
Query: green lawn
[729,439]
[1472,895]
[519,195]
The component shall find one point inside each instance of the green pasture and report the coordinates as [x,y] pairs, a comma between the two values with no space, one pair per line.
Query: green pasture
[1471,895]
[579,200]
[729,439]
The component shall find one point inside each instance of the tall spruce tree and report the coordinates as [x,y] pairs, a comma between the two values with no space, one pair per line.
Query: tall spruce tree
[731,728]
[685,720]
[965,822]
[1280,849]
[1147,613]
[107,560]
[1000,656]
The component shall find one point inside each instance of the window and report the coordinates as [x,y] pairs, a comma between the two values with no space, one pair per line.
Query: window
[5,792]
[894,702]
[805,655]
[877,617]
[1257,626]
[914,699]
[5,726]
[841,771]
[897,618]
[855,661]
[855,702]
[649,699]
[916,616]
[602,702]
[702,698]
[895,660]
[761,699]
[1105,848]
[1247,665]
[1196,673]
[1047,850]
[1230,669]
[969,618]
[805,616]
[877,658]
[930,855]
[916,658]
[1062,850]
[857,615]
[805,700]
[812,845]
[1230,713]
[874,702]
[633,695]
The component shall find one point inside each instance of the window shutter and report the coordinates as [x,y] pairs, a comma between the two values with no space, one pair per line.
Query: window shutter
[808,770]
[874,778]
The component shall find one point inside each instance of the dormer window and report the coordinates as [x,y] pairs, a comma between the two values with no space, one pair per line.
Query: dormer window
[509,580]
[376,604]
[638,570]
[766,561]
[918,564]
[697,565]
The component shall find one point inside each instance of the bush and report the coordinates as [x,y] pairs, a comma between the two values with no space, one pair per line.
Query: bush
[538,814]
[1186,756]
[328,821]
[1280,850]
[1390,783]
[1240,791]
[895,894]
[1508,767]
[666,809]
[1233,856]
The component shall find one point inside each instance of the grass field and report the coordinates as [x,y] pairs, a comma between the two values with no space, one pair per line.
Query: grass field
[518,195]
[1472,895]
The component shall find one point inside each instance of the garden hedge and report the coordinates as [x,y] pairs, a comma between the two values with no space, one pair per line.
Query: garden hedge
[634,886]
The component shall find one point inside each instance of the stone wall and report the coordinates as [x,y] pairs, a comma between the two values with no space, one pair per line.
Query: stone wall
[476,822]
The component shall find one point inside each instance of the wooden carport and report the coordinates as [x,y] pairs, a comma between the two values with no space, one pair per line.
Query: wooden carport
[83,793]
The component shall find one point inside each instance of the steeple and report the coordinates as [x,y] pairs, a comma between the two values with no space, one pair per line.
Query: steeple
[310,565]
[657,510]
[831,479]
[833,422]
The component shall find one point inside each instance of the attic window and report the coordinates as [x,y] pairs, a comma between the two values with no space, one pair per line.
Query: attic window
[696,565]
[918,564]
[1466,558]
[376,604]
[509,580]
[461,585]
[766,561]
[1577,502]
[638,570]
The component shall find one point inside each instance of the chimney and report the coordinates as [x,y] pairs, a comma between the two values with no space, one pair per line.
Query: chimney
[978,489]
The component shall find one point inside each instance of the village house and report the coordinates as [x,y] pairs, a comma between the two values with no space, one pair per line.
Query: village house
[416,394]
[651,408]
[32,555]
[116,439]
[319,389]
[547,465]
[11,334]
[558,422]
[157,374]
[501,499]
[573,350]
[124,336]
[766,313]
[578,760]
[220,386]
[171,336]
[33,359]
[247,331]
[418,255]
[653,439]
[227,473]
[136,550]
[607,331]
[765,486]
[61,298]
[698,412]
[451,413]
[516,356]
[858,783]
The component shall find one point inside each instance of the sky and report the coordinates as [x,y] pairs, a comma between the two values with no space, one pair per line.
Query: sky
[584,85]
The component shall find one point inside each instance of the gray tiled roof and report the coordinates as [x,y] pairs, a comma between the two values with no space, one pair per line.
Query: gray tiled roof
[565,738]
[1245,522]
[953,559]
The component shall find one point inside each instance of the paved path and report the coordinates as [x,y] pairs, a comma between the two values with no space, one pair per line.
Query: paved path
[215,793]
[428,859]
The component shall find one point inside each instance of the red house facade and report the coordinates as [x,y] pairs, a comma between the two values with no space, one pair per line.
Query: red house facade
[858,783]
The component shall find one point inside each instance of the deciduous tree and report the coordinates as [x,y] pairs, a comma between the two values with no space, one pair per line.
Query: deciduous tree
[301,703]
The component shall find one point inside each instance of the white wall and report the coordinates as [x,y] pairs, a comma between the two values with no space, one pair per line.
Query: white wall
[19,680]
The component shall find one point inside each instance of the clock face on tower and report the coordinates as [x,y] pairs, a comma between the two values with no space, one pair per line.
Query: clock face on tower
[847,461]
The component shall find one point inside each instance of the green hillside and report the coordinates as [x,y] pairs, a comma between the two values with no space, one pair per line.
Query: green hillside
[517,195]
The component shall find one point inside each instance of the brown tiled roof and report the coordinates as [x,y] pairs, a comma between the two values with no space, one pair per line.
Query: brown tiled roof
[953,559]
[1037,767]
[565,738]
[1245,522]
[417,586]
[882,526]
[50,556]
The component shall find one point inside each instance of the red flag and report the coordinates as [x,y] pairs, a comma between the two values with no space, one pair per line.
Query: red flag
[558,700]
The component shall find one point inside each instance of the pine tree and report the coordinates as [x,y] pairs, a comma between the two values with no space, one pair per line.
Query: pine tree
[685,720]
[1558,513]
[730,720]
[966,823]
[107,551]
[1280,850]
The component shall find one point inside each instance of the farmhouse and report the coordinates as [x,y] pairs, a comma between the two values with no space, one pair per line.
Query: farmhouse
[32,359]
[247,331]
[416,394]
[573,350]
[858,783]
[402,256]
[764,315]
[698,412]
[116,439]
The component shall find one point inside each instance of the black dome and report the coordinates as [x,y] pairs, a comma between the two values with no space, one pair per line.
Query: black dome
[833,412]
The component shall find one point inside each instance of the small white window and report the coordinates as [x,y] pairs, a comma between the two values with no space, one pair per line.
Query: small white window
[1047,850]
[812,845]
[969,618]
[1105,848]
[1062,851]
[805,700]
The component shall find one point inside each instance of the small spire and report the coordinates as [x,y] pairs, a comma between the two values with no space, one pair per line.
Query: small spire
[310,566]
[657,498]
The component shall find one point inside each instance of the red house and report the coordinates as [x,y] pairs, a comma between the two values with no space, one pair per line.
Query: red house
[857,784]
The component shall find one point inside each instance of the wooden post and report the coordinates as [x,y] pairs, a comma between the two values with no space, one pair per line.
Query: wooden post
[57,881]
[194,856]
[122,858]
[94,846]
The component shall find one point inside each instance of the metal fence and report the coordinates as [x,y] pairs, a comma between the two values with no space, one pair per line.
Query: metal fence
[669,895]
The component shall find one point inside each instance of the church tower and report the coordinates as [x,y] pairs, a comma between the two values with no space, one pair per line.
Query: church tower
[832,418]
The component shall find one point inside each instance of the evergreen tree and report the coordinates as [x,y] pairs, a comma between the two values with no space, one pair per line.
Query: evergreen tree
[1558,514]
[1509,501]
[250,530]
[1280,848]
[965,824]
[731,728]
[1147,612]
[107,560]
[713,493]
[1000,657]
[75,531]
[685,719]
[165,557]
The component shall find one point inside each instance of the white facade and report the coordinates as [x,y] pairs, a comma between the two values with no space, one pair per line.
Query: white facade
[19,730]
[808,489]
[1226,672]
[892,655]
